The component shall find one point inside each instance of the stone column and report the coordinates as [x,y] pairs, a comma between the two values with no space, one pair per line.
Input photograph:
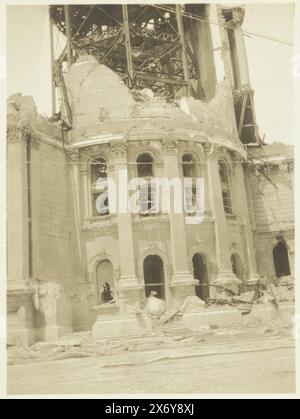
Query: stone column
[182,281]
[225,277]
[128,280]
[243,209]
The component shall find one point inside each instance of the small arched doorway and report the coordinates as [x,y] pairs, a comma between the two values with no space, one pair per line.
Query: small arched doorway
[104,276]
[154,276]
[200,274]
[237,266]
[281,260]
[238,270]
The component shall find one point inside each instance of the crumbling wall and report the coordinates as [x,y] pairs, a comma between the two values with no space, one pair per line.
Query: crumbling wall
[102,104]
[271,182]
[44,225]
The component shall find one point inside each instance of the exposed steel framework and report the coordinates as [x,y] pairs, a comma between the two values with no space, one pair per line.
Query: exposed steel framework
[146,45]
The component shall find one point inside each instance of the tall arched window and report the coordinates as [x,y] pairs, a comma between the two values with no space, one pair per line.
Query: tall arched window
[145,170]
[281,259]
[190,173]
[189,167]
[99,187]
[226,189]
[145,165]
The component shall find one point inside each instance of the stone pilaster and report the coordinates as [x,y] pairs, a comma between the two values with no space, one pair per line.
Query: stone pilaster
[86,192]
[73,163]
[17,210]
[182,281]
[225,277]
[129,284]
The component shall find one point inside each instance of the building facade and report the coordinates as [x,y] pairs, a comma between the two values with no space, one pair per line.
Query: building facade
[66,242]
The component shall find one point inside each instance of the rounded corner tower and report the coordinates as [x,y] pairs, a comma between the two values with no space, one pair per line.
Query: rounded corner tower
[149,93]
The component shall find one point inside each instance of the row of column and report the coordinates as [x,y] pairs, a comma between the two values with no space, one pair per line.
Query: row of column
[182,276]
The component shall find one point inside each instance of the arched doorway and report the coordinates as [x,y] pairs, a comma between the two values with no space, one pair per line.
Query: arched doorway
[200,274]
[154,276]
[281,260]
[237,266]
[238,270]
[104,275]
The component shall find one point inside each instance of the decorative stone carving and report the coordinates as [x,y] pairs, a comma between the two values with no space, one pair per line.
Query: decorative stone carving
[119,149]
[211,150]
[169,147]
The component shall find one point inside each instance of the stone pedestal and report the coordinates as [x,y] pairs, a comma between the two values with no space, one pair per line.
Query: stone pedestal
[53,318]
[20,318]
[111,324]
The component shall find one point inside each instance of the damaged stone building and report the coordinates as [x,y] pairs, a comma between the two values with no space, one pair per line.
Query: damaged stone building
[152,91]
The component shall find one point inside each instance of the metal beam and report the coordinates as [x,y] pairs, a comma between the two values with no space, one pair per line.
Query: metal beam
[185,65]
[128,42]
[84,22]
[68,35]
[52,52]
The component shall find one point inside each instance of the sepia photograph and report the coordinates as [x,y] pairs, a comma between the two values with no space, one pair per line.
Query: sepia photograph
[148,178]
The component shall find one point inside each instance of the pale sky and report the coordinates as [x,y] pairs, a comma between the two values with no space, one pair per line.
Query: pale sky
[270,63]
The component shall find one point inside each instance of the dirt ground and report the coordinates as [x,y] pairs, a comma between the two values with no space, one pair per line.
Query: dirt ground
[210,361]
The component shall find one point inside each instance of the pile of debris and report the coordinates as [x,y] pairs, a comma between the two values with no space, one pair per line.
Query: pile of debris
[264,293]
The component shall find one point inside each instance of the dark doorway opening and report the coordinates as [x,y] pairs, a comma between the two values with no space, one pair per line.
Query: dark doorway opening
[105,278]
[281,260]
[154,276]
[200,274]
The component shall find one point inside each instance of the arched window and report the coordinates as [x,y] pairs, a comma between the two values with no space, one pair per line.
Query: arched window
[238,269]
[189,167]
[226,189]
[145,170]
[281,259]
[189,170]
[145,165]
[99,187]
